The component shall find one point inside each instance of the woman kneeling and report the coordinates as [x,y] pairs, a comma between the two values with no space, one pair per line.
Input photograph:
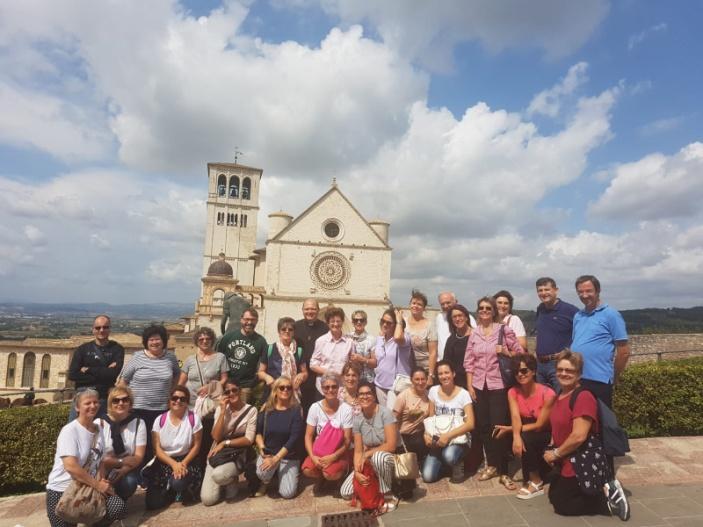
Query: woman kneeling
[233,434]
[330,423]
[176,436]
[452,418]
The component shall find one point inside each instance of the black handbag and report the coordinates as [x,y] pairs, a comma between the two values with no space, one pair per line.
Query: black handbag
[232,454]
[591,466]
[505,363]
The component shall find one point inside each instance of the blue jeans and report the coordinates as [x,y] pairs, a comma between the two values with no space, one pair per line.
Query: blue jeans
[547,374]
[450,455]
[127,486]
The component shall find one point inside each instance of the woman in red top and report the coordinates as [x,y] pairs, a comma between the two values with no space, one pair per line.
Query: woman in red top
[571,427]
[530,405]
[485,385]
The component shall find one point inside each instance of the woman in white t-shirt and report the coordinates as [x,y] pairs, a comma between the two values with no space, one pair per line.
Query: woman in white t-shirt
[504,301]
[176,436]
[328,435]
[234,429]
[447,399]
[79,449]
[124,435]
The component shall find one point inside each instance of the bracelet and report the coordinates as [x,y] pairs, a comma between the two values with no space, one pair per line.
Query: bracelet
[555,453]
[226,442]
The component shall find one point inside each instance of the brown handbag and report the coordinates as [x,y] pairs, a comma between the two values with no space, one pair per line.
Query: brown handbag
[81,503]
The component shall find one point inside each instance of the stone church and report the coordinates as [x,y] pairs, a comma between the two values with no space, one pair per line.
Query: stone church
[329,252]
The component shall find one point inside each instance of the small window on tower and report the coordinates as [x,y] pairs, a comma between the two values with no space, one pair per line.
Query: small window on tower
[244,220]
[235,220]
[246,188]
[221,185]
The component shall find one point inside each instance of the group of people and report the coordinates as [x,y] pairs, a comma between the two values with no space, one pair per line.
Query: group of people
[460,391]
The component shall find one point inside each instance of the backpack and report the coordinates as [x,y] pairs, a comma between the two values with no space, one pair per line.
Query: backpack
[612,436]
[370,496]
[329,439]
[163,416]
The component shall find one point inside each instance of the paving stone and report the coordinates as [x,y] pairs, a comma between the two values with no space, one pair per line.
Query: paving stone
[690,521]
[673,507]
[300,521]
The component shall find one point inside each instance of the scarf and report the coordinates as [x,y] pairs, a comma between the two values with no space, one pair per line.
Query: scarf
[287,353]
[116,432]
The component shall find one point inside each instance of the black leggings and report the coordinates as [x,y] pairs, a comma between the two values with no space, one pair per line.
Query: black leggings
[532,459]
[568,500]
[492,409]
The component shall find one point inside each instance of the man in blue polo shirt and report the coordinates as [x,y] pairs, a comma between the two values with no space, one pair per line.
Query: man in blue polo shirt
[554,325]
[601,337]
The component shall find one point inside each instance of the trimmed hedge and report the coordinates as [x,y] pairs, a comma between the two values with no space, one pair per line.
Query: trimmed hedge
[652,399]
[27,446]
[661,398]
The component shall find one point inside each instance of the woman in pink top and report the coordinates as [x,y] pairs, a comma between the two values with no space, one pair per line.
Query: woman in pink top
[530,406]
[332,349]
[486,387]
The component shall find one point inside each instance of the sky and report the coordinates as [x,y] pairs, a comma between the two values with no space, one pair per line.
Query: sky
[503,140]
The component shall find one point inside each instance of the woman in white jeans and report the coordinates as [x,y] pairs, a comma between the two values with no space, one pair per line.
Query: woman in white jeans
[279,433]
[234,429]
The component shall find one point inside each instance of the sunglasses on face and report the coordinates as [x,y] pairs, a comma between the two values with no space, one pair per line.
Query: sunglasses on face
[285,388]
[330,387]
[485,308]
[569,371]
[99,328]
[358,320]
[231,391]
[385,322]
[202,339]
[118,400]
[287,330]
[179,399]
[524,371]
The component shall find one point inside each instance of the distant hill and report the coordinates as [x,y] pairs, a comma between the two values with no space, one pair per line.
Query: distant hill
[646,321]
[165,311]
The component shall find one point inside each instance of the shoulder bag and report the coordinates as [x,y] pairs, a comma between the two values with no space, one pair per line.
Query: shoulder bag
[236,455]
[505,363]
[205,405]
[441,424]
[81,503]
[406,466]
[401,381]
[329,439]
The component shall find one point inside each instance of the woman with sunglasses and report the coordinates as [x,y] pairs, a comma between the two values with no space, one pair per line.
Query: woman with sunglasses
[572,425]
[79,449]
[234,428]
[348,392]
[485,384]
[363,353]
[177,435]
[394,356]
[124,436]
[285,358]
[375,438]
[530,407]
[328,435]
[279,431]
[447,398]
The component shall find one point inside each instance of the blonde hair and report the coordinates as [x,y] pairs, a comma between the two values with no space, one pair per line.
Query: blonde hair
[270,403]
[114,392]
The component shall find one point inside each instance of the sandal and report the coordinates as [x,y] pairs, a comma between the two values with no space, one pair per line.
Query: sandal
[488,473]
[532,490]
[388,506]
[507,482]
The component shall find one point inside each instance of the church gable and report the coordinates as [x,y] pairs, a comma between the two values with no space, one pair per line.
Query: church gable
[332,219]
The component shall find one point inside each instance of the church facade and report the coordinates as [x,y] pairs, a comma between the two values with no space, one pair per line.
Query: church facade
[329,252]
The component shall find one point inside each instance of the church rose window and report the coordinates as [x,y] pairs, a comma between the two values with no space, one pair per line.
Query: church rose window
[330,270]
[332,229]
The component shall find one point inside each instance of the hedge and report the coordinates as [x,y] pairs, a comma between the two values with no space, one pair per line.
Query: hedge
[661,398]
[652,399]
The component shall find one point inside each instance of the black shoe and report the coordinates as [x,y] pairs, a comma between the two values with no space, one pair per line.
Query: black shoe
[617,501]
[457,473]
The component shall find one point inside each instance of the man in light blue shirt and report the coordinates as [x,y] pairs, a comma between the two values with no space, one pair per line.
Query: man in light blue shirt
[601,337]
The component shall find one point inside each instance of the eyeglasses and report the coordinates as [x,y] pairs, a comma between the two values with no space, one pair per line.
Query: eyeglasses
[177,399]
[287,330]
[485,308]
[118,400]
[359,320]
[285,388]
[385,322]
[569,371]
[524,371]
[202,339]
[100,328]
[364,394]
[330,387]
[231,391]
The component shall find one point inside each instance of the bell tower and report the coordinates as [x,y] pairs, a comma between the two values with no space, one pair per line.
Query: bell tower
[232,217]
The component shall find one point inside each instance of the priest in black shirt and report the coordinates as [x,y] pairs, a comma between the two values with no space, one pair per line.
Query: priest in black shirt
[307,331]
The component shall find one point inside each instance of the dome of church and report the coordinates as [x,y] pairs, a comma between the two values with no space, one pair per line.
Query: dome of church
[220,268]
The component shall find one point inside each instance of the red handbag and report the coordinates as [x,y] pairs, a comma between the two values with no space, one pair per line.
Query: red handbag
[369,496]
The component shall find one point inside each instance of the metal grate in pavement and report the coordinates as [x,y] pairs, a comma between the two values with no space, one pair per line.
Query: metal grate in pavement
[349,519]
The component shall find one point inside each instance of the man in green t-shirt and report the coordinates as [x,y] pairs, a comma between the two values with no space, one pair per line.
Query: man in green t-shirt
[243,349]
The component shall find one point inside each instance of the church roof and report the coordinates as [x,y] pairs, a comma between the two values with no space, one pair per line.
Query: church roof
[235,165]
[333,189]
[220,268]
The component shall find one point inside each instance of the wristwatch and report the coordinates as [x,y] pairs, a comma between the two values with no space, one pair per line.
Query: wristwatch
[120,461]
[227,442]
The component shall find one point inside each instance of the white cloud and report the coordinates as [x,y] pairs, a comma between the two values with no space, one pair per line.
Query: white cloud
[548,102]
[429,31]
[637,39]
[654,187]
[661,125]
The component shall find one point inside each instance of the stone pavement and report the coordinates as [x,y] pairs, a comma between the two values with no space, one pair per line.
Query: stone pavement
[663,475]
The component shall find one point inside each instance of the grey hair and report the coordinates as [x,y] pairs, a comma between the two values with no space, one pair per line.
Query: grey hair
[329,376]
[82,393]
